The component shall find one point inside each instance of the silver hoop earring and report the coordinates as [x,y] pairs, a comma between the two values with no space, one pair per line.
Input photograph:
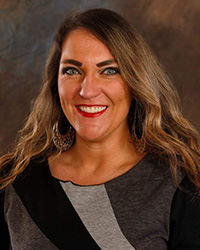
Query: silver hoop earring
[63,142]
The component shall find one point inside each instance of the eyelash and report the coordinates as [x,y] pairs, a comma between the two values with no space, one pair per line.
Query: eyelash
[103,72]
[65,71]
[115,69]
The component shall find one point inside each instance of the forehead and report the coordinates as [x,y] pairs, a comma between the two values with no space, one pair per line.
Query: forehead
[83,43]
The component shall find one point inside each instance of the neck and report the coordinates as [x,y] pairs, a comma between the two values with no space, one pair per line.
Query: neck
[88,163]
[103,153]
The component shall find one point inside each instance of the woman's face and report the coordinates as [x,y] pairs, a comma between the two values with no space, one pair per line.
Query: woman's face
[93,95]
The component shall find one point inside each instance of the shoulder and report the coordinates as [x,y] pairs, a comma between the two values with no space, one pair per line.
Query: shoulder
[185,217]
[4,234]
[35,172]
[186,197]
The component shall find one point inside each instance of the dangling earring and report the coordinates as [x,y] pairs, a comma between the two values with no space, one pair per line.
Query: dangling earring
[137,133]
[62,142]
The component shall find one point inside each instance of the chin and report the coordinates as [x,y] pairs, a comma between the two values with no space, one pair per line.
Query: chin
[91,135]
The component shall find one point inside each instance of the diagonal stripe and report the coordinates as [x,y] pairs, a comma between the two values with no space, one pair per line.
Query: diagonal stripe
[50,209]
[24,233]
[93,207]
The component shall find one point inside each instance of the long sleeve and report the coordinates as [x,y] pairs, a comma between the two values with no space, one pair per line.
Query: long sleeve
[4,234]
[185,219]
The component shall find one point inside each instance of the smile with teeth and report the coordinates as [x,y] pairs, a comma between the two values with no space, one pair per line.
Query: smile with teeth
[92,110]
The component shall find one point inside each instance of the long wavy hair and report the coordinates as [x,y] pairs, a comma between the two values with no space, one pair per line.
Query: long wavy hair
[162,126]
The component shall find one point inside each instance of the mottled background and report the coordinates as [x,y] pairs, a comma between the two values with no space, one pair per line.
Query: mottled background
[171,27]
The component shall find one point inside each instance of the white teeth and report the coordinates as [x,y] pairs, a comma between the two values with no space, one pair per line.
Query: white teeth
[91,109]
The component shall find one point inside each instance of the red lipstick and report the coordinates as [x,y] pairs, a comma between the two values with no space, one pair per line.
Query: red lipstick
[88,114]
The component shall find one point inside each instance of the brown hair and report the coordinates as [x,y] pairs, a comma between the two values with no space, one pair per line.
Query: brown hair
[163,128]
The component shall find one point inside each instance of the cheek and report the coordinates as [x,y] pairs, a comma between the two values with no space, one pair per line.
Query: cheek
[61,89]
[61,93]
[67,92]
[127,96]
[122,94]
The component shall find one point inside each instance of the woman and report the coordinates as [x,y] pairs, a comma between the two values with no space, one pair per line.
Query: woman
[121,168]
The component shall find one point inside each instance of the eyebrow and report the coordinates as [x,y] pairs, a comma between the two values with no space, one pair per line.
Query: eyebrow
[77,63]
[72,61]
[107,62]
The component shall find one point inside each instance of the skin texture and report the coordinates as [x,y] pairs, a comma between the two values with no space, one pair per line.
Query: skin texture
[89,84]
[89,77]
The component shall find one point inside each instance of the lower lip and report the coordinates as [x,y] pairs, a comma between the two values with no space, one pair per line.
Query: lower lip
[90,115]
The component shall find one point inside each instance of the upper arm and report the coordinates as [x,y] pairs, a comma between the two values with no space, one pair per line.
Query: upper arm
[185,220]
[4,234]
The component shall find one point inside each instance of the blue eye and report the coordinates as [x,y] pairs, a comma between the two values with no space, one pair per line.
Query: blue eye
[70,71]
[111,71]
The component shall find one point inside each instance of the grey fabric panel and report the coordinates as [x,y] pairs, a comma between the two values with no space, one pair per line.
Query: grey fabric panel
[24,234]
[141,199]
[93,206]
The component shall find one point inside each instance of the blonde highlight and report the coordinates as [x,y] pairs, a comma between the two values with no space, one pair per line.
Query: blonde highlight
[164,129]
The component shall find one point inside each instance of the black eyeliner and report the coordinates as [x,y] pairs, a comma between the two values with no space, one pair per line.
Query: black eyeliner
[65,69]
[114,68]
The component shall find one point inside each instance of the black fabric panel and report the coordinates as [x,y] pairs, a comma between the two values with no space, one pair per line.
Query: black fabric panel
[4,234]
[185,219]
[51,210]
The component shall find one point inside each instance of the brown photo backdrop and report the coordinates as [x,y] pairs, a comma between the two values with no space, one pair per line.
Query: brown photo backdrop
[171,28]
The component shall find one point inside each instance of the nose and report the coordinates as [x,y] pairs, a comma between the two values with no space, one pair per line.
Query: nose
[90,87]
